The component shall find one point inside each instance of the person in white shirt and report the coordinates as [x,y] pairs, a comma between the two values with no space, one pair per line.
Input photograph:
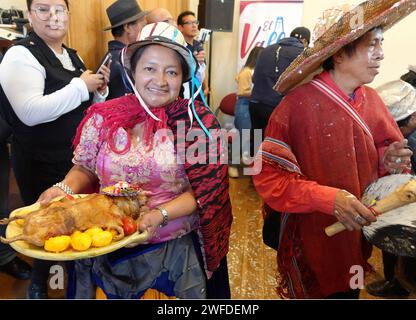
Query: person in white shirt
[45,89]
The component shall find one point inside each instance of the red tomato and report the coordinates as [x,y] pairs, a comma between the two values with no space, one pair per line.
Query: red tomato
[69,197]
[129,225]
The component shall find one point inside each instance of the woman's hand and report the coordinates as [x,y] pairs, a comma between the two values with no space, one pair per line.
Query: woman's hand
[351,212]
[92,80]
[49,194]
[397,157]
[148,222]
[105,71]
[151,221]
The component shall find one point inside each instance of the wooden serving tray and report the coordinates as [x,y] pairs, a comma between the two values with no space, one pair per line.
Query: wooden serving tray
[27,249]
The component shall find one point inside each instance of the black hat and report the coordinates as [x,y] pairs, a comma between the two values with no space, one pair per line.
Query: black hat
[124,11]
[301,33]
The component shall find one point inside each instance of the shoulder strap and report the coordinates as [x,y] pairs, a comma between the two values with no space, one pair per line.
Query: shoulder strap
[277,58]
[347,107]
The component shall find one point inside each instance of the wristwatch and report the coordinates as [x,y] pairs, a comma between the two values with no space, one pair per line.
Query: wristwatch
[165,215]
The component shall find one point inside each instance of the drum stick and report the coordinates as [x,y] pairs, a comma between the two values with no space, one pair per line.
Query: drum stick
[401,196]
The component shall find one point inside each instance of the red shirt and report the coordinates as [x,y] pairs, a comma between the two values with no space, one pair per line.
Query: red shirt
[314,147]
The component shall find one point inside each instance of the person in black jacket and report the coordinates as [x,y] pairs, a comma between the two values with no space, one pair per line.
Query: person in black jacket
[127,20]
[188,26]
[9,262]
[400,97]
[410,76]
[303,34]
[271,63]
[45,89]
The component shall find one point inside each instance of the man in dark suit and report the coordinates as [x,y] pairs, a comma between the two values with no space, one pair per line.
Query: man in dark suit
[270,65]
[127,20]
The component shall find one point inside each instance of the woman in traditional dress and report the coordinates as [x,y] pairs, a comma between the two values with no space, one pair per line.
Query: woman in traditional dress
[143,139]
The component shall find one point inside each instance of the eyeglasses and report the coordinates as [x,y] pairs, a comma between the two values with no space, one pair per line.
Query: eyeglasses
[196,22]
[45,12]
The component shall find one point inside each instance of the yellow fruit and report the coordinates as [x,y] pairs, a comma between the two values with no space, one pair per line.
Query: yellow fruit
[75,233]
[102,239]
[57,244]
[80,241]
[92,231]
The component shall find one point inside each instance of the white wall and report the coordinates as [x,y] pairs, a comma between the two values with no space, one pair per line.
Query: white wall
[18,4]
[224,61]
[193,6]
[399,49]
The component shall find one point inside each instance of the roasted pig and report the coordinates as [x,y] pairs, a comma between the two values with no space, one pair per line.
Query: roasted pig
[65,216]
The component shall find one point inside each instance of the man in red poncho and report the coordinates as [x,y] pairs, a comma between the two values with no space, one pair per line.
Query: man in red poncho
[324,144]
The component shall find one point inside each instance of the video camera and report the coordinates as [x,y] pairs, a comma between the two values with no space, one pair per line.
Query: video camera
[8,16]
[13,25]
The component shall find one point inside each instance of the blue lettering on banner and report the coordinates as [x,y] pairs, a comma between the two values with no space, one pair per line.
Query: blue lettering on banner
[273,31]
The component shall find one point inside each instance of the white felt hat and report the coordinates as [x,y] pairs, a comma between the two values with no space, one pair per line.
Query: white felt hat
[400,97]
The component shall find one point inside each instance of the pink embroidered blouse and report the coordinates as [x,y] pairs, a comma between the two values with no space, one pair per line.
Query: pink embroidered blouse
[156,169]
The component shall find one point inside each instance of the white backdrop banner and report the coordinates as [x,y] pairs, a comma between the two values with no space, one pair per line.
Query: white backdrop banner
[263,23]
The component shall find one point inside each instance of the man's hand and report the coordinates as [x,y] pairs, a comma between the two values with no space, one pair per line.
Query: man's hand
[351,212]
[200,56]
[397,157]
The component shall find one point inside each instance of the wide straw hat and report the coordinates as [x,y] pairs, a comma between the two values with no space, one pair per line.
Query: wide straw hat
[164,34]
[338,27]
[400,97]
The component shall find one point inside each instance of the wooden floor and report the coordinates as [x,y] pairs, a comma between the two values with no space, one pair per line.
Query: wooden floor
[252,265]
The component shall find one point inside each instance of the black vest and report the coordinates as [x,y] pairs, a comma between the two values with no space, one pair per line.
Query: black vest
[49,141]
